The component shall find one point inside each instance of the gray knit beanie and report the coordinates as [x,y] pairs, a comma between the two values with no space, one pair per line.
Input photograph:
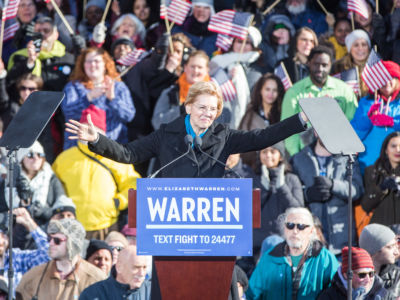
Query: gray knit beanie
[374,237]
[74,232]
[354,36]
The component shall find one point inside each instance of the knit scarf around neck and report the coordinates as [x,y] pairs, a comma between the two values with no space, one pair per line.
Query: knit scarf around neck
[184,86]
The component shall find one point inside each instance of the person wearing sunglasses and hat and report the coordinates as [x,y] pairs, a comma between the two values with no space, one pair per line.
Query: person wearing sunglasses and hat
[365,284]
[66,275]
[299,267]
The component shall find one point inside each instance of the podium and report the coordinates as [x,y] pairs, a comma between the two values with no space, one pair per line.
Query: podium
[193,277]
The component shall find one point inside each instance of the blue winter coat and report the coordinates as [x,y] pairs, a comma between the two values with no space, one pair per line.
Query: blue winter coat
[272,278]
[372,136]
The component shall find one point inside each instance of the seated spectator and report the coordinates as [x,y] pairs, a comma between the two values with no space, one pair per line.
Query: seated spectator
[381,243]
[64,208]
[57,279]
[44,184]
[97,185]
[240,64]
[24,260]
[299,268]
[52,62]
[127,280]
[118,242]
[326,191]
[374,120]
[95,82]
[296,62]
[358,47]
[276,40]
[169,105]
[99,253]
[263,110]
[195,26]
[381,181]
[341,29]
[280,190]
[365,284]
[318,84]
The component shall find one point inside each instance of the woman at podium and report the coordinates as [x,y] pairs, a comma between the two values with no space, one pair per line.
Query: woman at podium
[213,142]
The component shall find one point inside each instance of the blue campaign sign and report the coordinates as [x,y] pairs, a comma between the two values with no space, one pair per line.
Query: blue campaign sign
[194,216]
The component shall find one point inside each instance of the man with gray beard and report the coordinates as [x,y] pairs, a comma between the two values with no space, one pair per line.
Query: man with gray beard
[301,15]
[299,267]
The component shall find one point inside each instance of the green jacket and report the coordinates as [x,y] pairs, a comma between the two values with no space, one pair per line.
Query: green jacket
[273,279]
[333,87]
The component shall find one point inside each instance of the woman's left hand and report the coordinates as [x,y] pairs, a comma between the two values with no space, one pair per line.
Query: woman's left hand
[109,85]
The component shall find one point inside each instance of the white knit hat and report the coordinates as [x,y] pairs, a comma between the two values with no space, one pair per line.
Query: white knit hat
[255,36]
[354,36]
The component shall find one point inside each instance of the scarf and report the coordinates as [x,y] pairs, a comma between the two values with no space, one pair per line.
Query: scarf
[40,184]
[189,129]
[184,87]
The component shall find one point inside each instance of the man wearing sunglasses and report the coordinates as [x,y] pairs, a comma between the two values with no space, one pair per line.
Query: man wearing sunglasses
[365,284]
[381,243]
[299,267]
[67,274]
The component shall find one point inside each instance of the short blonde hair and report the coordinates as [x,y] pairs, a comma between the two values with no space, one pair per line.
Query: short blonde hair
[205,88]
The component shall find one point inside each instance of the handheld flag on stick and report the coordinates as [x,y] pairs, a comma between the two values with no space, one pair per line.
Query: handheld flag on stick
[224,42]
[281,72]
[231,23]
[359,7]
[132,57]
[10,11]
[351,78]
[375,74]
[226,85]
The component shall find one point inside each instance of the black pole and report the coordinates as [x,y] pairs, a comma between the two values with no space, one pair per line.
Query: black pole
[350,163]
[11,159]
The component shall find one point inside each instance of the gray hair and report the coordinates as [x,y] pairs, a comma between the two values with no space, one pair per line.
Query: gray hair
[140,29]
[282,219]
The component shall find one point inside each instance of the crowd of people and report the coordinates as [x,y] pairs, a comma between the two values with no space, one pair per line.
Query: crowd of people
[71,238]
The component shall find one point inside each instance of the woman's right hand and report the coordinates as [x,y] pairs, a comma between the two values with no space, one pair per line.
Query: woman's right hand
[82,132]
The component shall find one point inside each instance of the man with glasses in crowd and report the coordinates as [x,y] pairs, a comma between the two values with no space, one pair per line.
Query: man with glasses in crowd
[365,284]
[47,59]
[67,274]
[381,243]
[299,267]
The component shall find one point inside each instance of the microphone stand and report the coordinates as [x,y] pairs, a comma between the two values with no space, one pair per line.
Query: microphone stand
[198,142]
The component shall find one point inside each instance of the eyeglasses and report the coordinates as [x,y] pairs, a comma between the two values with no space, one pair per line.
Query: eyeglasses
[118,248]
[95,61]
[35,154]
[300,227]
[205,109]
[362,275]
[24,88]
[57,241]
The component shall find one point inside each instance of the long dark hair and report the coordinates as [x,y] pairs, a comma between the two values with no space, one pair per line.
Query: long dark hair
[256,98]
[383,161]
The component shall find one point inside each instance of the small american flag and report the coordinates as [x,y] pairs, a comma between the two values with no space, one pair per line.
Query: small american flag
[230,23]
[176,11]
[10,28]
[287,83]
[132,57]
[359,7]
[351,78]
[375,75]
[224,42]
[10,11]
[226,85]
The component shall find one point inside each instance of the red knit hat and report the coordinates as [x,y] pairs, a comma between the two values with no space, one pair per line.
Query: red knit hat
[360,259]
[98,117]
[393,68]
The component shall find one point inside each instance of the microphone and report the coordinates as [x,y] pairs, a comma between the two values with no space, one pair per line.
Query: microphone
[188,141]
[198,142]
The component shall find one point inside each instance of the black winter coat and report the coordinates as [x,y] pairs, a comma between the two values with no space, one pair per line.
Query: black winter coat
[167,143]
[390,274]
